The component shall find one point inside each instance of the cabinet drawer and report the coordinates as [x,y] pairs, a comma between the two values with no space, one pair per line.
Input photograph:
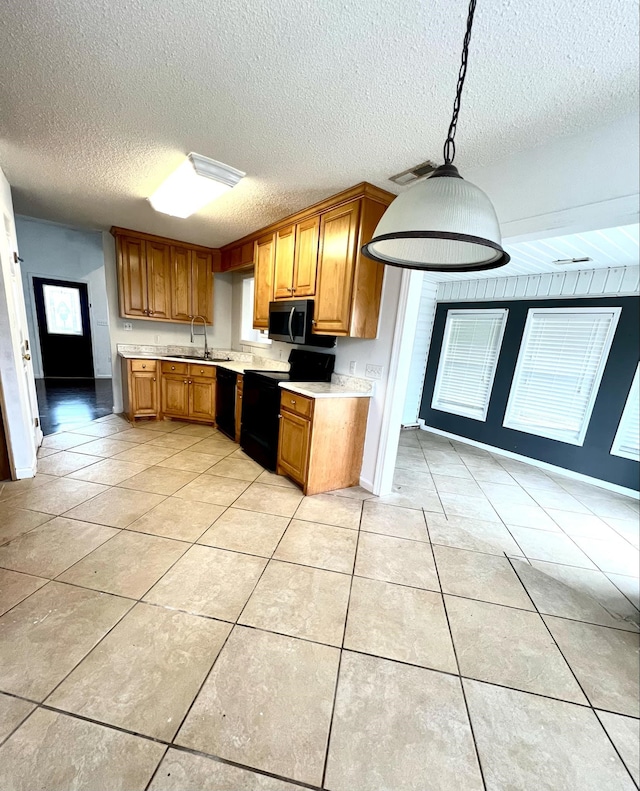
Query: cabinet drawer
[207,371]
[143,365]
[296,403]
[174,368]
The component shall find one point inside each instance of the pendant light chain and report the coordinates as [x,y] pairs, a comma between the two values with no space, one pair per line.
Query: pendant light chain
[450,146]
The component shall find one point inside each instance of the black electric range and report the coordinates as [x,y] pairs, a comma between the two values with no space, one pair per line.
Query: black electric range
[261,402]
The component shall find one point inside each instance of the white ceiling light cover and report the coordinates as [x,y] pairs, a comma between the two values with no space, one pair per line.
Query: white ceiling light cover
[195,183]
[463,235]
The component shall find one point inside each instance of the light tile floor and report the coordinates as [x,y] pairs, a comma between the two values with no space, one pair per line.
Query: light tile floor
[177,619]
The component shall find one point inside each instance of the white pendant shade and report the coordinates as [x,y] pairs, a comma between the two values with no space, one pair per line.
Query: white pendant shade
[195,183]
[442,224]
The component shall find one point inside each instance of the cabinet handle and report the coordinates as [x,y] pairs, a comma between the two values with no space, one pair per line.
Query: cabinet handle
[144,365]
[150,312]
[190,382]
[313,321]
[292,401]
[279,417]
[201,371]
[154,379]
[185,382]
[239,395]
[173,368]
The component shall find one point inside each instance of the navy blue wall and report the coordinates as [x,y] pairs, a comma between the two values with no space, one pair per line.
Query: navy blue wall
[593,457]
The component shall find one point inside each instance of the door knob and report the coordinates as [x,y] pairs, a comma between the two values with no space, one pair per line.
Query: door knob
[26,356]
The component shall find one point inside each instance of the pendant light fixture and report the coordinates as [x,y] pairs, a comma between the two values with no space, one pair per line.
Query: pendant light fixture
[444,223]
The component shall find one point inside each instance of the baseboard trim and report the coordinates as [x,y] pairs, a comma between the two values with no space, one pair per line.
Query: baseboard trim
[366,484]
[25,472]
[577,476]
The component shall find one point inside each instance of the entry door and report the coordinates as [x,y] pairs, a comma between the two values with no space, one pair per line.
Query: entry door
[63,325]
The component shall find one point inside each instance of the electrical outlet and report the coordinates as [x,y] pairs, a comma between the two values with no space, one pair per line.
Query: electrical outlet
[156,338]
[352,367]
[373,371]
[127,326]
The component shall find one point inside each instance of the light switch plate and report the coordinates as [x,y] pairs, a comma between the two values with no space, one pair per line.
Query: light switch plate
[374,371]
[352,367]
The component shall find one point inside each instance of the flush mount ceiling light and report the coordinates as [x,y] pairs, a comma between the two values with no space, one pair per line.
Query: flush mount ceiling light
[444,223]
[194,184]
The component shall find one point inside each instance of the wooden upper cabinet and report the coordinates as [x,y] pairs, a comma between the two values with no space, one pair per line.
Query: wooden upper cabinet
[283,268]
[306,258]
[158,257]
[201,285]
[132,276]
[263,293]
[163,280]
[180,283]
[336,264]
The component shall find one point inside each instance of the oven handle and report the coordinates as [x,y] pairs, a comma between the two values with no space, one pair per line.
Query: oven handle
[293,310]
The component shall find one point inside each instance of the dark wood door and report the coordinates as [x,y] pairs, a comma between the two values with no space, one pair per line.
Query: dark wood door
[62,309]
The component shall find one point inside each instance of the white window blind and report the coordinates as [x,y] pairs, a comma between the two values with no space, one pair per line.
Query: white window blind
[468,360]
[560,365]
[247,332]
[627,439]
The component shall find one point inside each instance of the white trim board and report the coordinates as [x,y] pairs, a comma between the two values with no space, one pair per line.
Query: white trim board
[578,476]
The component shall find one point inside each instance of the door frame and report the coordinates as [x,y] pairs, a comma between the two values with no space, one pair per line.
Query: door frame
[36,348]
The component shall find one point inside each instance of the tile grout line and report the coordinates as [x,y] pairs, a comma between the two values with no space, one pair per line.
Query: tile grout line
[340,655]
[574,674]
[459,675]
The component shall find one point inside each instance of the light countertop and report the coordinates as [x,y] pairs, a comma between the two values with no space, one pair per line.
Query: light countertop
[231,365]
[323,390]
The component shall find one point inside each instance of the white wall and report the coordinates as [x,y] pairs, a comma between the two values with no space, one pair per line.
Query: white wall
[17,388]
[418,364]
[157,332]
[59,251]
[582,182]
[376,351]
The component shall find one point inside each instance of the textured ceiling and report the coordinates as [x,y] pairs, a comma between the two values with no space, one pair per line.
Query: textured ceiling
[100,100]
[612,247]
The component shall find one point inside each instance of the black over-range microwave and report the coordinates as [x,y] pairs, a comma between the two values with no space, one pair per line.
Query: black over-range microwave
[291,321]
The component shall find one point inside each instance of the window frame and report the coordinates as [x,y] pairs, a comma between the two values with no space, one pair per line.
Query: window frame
[549,434]
[461,411]
[261,339]
[633,391]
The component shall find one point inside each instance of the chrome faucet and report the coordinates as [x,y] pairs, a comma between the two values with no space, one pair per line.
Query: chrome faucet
[204,328]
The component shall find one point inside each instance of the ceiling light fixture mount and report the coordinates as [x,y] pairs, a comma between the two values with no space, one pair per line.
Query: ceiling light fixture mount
[444,223]
[195,183]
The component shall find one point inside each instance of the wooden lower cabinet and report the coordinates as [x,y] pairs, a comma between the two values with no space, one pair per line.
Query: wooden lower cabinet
[321,441]
[202,399]
[140,388]
[293,446]
[175,395]
[186,391]
[239,390]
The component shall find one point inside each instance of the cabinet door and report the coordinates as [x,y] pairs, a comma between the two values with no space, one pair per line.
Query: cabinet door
[132,276]
[202,399]
[158,257]
[144,393]
[263,294]
[336,265]
[248,253]
[293,446]
[202,285]
[283,270]
[180,283]
[175,395]
[306,258]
